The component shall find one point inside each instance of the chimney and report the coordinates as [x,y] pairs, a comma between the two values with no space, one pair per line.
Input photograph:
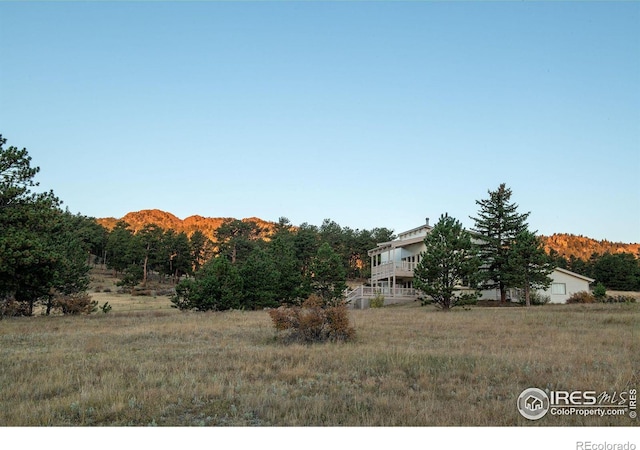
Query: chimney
[427,220]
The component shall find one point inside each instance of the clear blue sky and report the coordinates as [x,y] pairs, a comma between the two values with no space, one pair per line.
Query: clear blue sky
[373,114]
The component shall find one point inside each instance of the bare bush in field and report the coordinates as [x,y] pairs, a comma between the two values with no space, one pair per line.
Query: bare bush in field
[313,321]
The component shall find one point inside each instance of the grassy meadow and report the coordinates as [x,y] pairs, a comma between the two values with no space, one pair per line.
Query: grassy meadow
[145,363]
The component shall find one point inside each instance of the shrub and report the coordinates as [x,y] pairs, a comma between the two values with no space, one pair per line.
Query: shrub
[72,304]
[168,292]
[581,297]
[619,299]
[106,307]
[377,301]
[314,321]
[9,307]
[141,292]
[131,276]
[600,292]
[535,298]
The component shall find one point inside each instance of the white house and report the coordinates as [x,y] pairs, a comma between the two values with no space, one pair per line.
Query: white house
[565,284]
[393,263]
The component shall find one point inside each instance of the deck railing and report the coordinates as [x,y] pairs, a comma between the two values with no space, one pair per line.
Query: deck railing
[370,292]
[389,268]
[359,297]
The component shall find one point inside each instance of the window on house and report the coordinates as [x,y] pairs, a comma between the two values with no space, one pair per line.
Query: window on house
[559,288]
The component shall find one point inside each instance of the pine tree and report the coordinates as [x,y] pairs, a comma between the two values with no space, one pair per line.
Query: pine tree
[121,249]
[328,275]
[174,256]
[498,223]
[528,265]
[236,239]
[41,251]
[149,241]
[201,250]
[259,281]
[449,261]
[290,286]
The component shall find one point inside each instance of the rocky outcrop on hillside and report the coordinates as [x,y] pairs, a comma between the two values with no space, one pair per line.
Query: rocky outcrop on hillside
[580,247]
[165,220]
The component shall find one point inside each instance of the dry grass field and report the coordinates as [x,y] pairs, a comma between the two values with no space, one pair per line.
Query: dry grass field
[145,363]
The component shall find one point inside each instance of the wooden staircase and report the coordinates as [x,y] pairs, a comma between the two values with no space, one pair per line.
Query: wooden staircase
[360,297]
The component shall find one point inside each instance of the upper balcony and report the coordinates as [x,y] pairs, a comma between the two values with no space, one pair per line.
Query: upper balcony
[393,268]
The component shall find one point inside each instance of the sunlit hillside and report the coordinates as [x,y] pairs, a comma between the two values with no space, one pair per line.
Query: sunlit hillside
[207,225]
[582,247]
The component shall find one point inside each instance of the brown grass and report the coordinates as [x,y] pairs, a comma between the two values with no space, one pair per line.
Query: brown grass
[103,289]
[409,366]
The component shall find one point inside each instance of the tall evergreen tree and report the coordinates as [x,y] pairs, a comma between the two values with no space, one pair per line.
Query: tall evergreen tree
[528,265]
[259,280]
[306,242]
[41,252]
[290,286]
[236,239]
[201,249]
[448,268]
[149,241]
[498,223]
[122,251]
[328,275]
[175,257]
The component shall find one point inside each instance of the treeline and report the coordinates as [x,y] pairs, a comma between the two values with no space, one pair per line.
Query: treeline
[174,254]
[245,266]
[616,271]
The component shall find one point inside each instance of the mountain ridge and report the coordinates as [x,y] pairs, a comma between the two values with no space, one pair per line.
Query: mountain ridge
[166,220]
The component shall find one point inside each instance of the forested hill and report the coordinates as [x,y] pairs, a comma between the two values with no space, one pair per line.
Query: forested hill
[207,225]
[565,245]
[580,247]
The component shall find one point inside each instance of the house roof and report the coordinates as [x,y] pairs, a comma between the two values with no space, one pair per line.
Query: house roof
[415,230]
[398,243]
[573,274]
[412,236]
